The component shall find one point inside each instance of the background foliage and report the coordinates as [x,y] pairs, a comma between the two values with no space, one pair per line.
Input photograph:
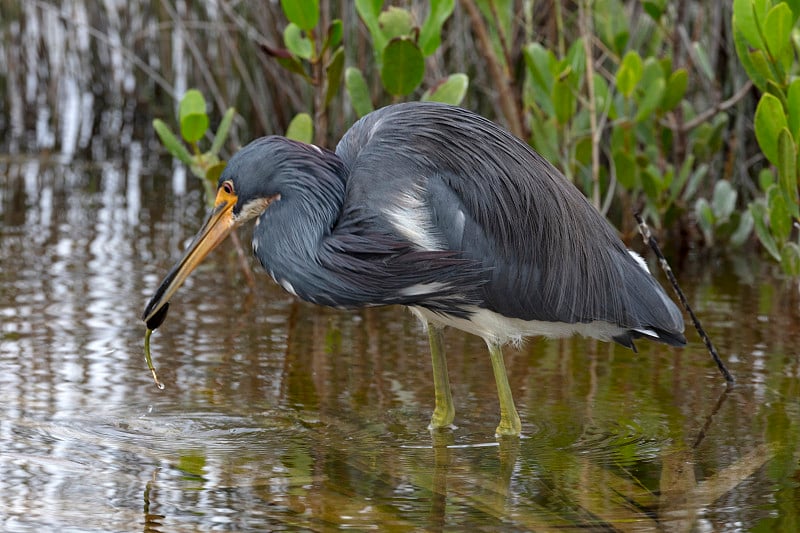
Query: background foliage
[642,103]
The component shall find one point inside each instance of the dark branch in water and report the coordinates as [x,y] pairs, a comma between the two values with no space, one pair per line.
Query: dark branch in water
[649,240]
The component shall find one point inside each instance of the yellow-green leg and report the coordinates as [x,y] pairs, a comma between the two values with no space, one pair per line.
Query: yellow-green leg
[443,412]
[509,419]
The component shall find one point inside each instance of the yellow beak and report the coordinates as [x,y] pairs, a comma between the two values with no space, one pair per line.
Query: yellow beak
[218,225]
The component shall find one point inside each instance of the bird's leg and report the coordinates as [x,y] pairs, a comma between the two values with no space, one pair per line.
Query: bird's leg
[443,412]
[509,419]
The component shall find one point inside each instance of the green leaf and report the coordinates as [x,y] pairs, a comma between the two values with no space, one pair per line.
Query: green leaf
[793,105]
[333,75]
[396,22]
[297,43]
[681,178]
[603,103]
[193,127]
[652,182]
[544,138]
[192,116]
[301,128]
[576,59]
[403,67]
[611,24]
[430,35]
[626,170]
[765,179]
[222,131]
[705,219]
[304,13]
[778,92]
[539,61]
[723,201]
[192,103]
[655,8]
[451,90]
[564,101]
[795,7]
[652,86]
[675,89]
[629,73]
[790,259]
[744,19]
[780,220]
[754,63]
[369,10]
[292,64]
[743,230]
[769,121]
[787,170]
[697,177]
[759,211]
[215,171]
[703,61]
[171,142]
[777,27]
[358,91]
[335,31]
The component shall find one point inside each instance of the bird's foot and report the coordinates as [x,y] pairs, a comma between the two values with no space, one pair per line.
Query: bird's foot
[442,419]
[509,427]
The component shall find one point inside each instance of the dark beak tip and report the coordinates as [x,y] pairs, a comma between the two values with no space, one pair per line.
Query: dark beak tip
[158,318]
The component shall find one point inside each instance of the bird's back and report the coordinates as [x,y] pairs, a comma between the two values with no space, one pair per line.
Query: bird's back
[446,179]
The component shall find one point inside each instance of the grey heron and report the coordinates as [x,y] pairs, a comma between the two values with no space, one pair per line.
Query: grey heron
[438,209]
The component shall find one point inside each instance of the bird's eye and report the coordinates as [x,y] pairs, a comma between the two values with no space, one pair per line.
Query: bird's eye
[227,186]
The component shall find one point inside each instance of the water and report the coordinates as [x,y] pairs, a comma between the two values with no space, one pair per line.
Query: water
[282,415]
[279,415]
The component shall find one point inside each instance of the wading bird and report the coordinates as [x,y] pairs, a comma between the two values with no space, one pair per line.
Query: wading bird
[438,209]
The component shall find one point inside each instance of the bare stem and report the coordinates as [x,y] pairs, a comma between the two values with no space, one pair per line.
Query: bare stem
[649,240]
[507,100]
[586,32]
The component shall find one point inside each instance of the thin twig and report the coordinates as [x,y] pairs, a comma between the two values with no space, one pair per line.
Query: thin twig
[585,28]
[502,36]
[199,61]
[710,418]
[649,240]
[722,106]
[129,54]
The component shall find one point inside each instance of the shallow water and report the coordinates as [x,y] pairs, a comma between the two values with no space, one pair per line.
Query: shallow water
[279,415]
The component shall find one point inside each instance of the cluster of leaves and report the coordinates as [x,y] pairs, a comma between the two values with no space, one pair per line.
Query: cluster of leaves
[400,49]
[319,61]
[768,44]
[194,125]
[611,110]
[631,97]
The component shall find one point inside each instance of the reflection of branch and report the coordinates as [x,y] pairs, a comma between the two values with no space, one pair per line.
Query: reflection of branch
[711,489]
[710,417]
[682,496]
[152,522]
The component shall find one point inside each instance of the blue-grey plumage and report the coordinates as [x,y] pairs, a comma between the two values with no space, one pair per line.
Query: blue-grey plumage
[436,208]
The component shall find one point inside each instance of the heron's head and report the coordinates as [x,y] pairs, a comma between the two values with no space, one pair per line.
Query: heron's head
[246,188]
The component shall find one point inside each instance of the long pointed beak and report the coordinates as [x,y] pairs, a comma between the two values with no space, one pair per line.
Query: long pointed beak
[218,225]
